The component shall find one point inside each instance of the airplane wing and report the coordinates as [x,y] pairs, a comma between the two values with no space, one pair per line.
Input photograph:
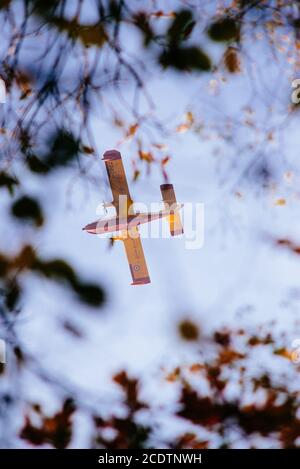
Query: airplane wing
[117,179]
[136,258]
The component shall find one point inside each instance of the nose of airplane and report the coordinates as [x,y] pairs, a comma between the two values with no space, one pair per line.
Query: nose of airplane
[91,227]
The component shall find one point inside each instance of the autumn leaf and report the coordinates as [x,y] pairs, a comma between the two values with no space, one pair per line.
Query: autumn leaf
[88,150]
[127,433]
[87,34]
[165,160]
[60,271]
[160,146]
[280,202]
[56,430]
[181,128]
[229,355]
[63,149]
[146,156]
[130,133]
[283,352]
[197,409]
[8,181]
[174,375]
[185,58]
[131,391]
[136,175]
[4,4]
[188,330]
[190,441]
[181,27]
[132,130]
[255,340]
[224,29]
[187,124]
[290,245]
[141,21]
[231,60]
[196,367]
[23,81]
[162,14]
[36,165]
[222,337]
[28,209]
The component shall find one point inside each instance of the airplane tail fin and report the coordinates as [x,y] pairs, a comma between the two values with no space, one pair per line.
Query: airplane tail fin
[169,198]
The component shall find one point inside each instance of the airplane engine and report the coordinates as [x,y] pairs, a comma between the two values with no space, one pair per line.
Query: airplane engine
[169,198]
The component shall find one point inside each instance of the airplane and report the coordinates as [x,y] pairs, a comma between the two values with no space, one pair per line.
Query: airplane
[126,221]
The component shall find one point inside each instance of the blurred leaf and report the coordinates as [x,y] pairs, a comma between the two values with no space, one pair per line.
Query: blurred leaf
[188,58]
[91,35]
[63,149]
[88,150]
[188,330]
[283,352]
[136,175]
[132,130]
[8,181]
[56,431]
[4,265]
[181,27]
[91,294]
[44,6]
[163,14]
[28,209]
[127,433]
[225,29]
[25,259]
[196,367]
[296,23]
[232,60]
[87,34]
[199,410]
[174,375]
[12,295]
[280,202]
[146,156]
[160,146]
[187,124]
[229,355]
[295,248]
[4,4]
[142,23]
[23,81]
[255,340]
[59,270]
[165,160]
[222,337]
[131,390]
[56,269]
[190,441]
[36,165]
[181,128]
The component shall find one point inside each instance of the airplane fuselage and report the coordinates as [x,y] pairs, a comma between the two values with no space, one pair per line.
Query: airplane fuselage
[108,225]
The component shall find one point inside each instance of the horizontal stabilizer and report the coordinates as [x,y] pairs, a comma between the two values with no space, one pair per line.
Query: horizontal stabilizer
[170,203]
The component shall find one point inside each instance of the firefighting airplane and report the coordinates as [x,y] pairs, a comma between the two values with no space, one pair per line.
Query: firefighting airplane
[126,221]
